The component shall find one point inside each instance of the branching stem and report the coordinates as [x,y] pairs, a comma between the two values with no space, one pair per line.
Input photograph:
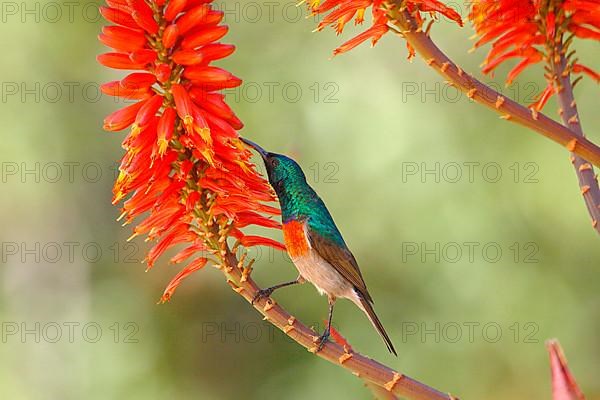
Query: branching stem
[588,182]
[371,371]
[483,94]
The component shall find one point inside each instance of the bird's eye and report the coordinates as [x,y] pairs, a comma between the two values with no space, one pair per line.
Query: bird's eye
[274,162]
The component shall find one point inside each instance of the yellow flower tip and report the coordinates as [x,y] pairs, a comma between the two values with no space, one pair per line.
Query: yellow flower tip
[135,130]
[208,157]
[162,146]
[165,298]
[130,238]
[360,15]
[188,119]
[205,134]
[243,167]
[118,197]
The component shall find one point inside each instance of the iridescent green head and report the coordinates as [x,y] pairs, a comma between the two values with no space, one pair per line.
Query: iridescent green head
[297,199]
[281,169]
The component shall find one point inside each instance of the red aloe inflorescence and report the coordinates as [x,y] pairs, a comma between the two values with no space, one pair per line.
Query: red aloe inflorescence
[184,169]
[532,31]
[339,12]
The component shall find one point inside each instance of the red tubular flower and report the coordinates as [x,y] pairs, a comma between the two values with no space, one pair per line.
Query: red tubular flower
[337,13]
[531,30]
[184,171]
[564,386]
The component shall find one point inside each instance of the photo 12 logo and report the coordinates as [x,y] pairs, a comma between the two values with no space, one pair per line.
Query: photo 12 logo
[470,252]
[287,92]
[254,12]
[68,332]
[49,12]
[469,332]
[468,172]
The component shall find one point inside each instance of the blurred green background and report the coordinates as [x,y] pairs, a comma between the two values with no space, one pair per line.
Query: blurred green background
[471,271]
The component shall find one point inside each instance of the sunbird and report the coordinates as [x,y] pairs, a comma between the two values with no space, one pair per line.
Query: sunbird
[314,243]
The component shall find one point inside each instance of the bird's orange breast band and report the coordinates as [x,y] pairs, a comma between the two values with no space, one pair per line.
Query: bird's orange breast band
[295,239]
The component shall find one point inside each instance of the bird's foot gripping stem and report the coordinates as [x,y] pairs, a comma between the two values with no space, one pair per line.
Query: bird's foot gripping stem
[263,294]
[324,338]
[321,340]
[266,293]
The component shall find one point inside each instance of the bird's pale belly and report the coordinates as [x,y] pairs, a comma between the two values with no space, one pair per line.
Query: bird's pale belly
[312,266]
[320,273]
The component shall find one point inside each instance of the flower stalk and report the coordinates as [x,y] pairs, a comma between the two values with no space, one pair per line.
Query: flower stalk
[372,371]
[588,181]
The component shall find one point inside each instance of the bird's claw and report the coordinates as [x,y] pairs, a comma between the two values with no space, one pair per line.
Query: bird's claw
[324,338]
[262,294]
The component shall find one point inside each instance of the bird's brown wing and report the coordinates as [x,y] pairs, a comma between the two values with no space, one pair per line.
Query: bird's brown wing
[341,259]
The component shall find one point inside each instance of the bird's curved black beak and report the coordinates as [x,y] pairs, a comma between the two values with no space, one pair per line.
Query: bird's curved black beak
[256,147]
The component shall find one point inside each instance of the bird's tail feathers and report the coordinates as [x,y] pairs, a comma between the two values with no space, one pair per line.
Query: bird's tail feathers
[368,309]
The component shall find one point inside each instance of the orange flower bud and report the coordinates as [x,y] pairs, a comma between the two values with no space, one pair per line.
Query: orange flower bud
[174,8]
[204,36]
[192,18]
[188,57]
[170,36]
[122,118]
[118,61]
[165,129]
